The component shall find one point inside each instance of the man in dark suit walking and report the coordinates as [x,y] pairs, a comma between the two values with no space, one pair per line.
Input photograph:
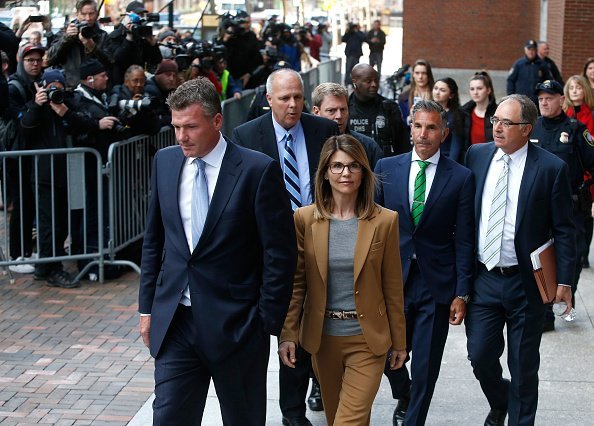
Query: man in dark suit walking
[295,140]
[523,199]
[216,277]
[433,196]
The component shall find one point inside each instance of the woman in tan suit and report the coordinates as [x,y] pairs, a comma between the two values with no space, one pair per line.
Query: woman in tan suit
[347,305]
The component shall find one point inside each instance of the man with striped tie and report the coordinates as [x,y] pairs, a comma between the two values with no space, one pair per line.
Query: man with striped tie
[523,199]
[294,139]
[433,196]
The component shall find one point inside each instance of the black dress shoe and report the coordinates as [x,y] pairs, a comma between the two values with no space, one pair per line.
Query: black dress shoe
[496,418]
[400,411]
[314,401]
[296,421]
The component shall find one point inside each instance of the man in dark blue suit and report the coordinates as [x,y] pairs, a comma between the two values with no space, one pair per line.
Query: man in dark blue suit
[433,196]
[218,260]
[268,134]
[528,189]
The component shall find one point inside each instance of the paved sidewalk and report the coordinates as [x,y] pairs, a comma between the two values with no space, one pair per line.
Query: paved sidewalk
[73,357]
[566,380]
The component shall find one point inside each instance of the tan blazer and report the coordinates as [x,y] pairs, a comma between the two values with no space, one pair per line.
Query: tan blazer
[378,282]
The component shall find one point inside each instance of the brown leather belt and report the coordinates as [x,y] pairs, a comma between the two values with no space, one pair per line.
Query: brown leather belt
[341,315]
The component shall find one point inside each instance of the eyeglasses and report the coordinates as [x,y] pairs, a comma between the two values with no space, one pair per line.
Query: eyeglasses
[34,61]
[505,123]
[338,168]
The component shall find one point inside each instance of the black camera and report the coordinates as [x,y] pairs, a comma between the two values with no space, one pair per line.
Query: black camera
[126,108]
[232,24]
[139,28]
[271,52]
[55,95]
[84,28]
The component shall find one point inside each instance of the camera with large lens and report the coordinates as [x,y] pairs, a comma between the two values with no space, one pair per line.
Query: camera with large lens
[231,24]
[271,53]
[55,95]
[138,25]
[126,108]
[84,28]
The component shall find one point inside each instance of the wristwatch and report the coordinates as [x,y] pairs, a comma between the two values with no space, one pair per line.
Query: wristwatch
[465,298]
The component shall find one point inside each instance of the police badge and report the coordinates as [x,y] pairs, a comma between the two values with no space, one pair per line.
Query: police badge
[588,137]
[564,138]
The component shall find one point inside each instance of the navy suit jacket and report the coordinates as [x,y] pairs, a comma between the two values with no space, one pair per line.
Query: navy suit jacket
[240,273]
[544,210]
[258,134]
[443,240]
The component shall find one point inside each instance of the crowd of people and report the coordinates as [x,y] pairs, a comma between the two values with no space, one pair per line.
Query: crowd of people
[357,233]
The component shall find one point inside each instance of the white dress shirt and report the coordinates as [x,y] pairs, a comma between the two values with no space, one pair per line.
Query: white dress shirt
[212,168]
[429,174]
[300,153]
[517,163]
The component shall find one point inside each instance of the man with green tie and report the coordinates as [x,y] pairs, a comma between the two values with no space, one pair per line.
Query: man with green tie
[433,196]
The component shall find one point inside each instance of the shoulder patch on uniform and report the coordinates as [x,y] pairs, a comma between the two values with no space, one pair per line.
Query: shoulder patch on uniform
[588,138]
[511,71]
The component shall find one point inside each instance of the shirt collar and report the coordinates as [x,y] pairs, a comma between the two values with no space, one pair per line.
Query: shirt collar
[215,157]
[280,131]
[434,159]
[515,157]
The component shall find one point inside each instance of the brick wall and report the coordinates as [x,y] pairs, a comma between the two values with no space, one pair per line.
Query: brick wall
[469,34]
[571,34]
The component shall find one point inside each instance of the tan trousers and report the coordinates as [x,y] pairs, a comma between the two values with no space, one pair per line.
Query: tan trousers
[349,375]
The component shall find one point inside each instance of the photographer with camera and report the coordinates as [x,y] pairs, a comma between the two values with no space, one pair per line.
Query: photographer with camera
[375,116]
[21,90]
[132,42]
[354,39]
[81,40]
[91,102]
[159,86]
[203,64]
[48,123]
[169,45]
[289,48]
[243,47]
[133,107]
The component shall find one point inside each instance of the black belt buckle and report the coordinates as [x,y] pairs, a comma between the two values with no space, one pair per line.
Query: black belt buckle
[508,271]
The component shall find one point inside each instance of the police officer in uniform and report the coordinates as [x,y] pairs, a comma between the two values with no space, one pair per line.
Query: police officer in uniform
[569,140]
[373,115]
[527,72]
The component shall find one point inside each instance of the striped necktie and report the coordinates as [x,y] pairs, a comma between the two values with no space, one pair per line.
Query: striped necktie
[494,236]
[419,192]
[199,201]
[291,172]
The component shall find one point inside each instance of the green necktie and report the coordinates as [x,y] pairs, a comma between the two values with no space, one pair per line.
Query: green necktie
[419,193]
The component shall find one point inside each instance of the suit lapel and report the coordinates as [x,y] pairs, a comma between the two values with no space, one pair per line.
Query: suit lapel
[268,137]
[365,235]
[440,181]
[480,175]
[400,187]
[179,163]
[320,231]
[528,178]
[231,169]
[313,146]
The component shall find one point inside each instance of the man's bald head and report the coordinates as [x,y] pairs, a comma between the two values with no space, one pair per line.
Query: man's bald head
[365,81]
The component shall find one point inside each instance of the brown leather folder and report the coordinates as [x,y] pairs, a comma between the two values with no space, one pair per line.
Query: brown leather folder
[546,275]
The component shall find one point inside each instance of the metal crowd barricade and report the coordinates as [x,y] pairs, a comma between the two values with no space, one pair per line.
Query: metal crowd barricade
[330,71]
[310,81]
[128,170]
[235,111]
[21,177]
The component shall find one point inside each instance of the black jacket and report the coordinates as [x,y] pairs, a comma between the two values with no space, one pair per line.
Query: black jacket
[469,106]
[381,120]
[125,53]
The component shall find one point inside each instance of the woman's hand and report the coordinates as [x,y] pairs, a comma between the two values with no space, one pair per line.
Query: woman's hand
[286,352]
[397,359]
